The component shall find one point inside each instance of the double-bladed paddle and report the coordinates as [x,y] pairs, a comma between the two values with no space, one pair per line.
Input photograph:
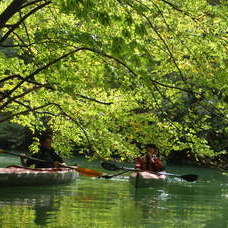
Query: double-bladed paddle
[113,167]
[82,171]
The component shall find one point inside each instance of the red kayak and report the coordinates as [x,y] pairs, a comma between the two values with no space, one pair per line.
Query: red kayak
[16,176]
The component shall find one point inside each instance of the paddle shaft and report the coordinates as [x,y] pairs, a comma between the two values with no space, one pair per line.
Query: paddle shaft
[114,175]
[159,173]
[83,171]
[113,167]
[23,156]
[170,174]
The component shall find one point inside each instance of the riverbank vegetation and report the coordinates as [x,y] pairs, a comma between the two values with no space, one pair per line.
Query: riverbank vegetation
[109,76]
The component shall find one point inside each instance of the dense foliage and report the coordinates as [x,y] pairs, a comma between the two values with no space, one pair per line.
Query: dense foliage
[112,75]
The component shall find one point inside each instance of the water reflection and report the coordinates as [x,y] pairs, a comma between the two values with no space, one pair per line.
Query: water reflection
[199,204]
[40,204]
[115,203]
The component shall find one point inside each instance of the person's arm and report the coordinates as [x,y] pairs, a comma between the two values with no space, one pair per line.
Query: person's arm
[139,164]
[27,162]
[57,159]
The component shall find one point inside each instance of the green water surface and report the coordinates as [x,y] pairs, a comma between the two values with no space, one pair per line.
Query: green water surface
[90,202]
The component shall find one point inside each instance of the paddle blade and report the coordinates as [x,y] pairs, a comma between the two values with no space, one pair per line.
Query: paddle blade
[190,177]
[109,166]
[88,172]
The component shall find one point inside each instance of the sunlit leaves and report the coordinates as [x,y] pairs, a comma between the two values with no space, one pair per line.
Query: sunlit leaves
[149,72]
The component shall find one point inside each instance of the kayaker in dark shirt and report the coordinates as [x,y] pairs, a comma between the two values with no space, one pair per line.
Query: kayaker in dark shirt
[46,153]
[150,161]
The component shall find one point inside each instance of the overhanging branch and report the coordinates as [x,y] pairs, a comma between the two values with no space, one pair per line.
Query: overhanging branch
[46,66]
[12,99]
[93,99]
[13,27]
[25,112]
[10,11]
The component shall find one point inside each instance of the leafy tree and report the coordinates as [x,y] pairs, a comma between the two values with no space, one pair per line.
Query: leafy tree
[113,75]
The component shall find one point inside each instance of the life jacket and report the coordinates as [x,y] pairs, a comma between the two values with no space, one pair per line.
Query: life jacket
[157,165]
[150,163]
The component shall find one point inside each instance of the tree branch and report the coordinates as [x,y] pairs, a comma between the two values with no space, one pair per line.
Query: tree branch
[12,99]
[23,112]
[13,27]
[75,121]
[178,9]
[37,71]
[46,66]
[19,77]
[93,99]
[31,3]
[10,11]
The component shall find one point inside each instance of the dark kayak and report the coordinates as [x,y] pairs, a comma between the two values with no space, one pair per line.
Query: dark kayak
[20,176]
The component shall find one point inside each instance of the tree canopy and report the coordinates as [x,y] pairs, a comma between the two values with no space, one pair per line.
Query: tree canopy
[112,75]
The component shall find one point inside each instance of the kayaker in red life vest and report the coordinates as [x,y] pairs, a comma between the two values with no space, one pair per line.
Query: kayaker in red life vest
[46,153]
[150,161]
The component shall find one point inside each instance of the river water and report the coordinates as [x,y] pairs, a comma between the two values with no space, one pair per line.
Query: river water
[115,203]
